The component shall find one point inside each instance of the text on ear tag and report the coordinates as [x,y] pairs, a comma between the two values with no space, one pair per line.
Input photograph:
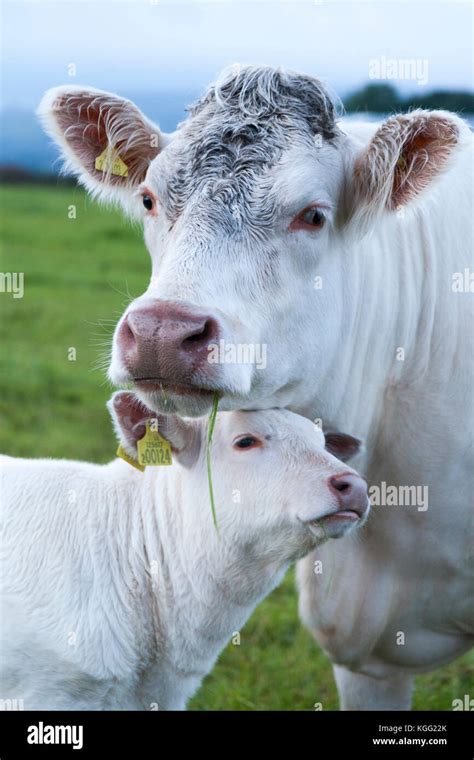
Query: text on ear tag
[110,161]
[153,449]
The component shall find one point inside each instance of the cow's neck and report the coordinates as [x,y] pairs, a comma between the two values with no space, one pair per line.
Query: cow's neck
[390,401]
[385,345]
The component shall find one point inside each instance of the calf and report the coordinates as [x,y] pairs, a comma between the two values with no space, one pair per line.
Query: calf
[119,592]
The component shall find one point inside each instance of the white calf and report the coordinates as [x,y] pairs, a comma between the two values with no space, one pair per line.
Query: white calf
[118,591]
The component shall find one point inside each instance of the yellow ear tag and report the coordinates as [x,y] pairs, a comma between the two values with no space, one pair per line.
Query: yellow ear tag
[123,455]
[153,449]
[110,161]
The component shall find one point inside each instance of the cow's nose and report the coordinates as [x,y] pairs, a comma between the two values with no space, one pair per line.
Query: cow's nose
[187,332]
[166,339]
[351,492]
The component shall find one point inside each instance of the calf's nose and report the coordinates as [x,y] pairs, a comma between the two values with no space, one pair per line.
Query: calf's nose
[351,492]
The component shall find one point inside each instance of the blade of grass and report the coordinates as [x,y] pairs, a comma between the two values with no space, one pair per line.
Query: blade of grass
[165,395]
[210,431]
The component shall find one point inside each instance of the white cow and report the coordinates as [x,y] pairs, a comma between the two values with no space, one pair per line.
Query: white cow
[117,591]
[344,251]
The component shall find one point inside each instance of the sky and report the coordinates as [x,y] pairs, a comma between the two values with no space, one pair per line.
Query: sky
[168,45]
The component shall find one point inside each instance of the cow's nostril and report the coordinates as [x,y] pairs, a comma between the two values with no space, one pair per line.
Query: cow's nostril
[198,336]
[202,335]
[126,335]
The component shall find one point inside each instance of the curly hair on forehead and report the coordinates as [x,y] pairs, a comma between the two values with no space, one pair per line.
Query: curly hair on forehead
[238,130]
[251,93]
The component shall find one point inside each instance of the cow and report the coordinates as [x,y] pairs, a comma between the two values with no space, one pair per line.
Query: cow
[118,590]
[343,250]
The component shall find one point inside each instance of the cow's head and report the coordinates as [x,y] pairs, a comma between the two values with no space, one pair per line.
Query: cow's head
[255,196]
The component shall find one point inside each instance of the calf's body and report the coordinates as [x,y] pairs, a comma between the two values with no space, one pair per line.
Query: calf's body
[117,591]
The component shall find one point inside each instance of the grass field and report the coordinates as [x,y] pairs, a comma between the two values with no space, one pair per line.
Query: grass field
[79,273]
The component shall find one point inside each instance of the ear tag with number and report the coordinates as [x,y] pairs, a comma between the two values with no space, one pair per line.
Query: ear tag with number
[127,458]
[153,449]
[110,161]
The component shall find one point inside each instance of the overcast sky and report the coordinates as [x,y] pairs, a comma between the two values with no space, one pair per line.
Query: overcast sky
[171,45]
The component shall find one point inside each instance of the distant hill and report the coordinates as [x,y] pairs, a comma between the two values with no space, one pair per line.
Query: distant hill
[384,98]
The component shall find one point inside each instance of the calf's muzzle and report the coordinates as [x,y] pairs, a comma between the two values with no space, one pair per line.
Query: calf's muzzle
[351,492]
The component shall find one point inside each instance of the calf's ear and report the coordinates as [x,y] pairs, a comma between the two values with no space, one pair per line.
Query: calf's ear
[342,446]
[184,436]
[130,415]
[406,154]
[129,418]
[104,139]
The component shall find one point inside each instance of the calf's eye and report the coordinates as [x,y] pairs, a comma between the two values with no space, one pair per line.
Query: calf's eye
[148,202]
[246,442]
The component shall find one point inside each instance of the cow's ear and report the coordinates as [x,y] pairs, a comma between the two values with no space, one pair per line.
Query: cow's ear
[406,154]
[342,446]
[105,140]
[130,415]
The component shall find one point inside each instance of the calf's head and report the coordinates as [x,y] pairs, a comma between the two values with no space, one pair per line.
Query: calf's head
[254,196]
[275,477]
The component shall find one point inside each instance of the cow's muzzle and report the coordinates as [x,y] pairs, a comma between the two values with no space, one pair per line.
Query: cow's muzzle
[167,345]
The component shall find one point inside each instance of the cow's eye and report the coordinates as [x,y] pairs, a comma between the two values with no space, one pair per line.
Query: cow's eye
[314,217]
[148,202]
[246,442]
[311,218]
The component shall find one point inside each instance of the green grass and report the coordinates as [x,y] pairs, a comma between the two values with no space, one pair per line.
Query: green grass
[78,274]
[77,277]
